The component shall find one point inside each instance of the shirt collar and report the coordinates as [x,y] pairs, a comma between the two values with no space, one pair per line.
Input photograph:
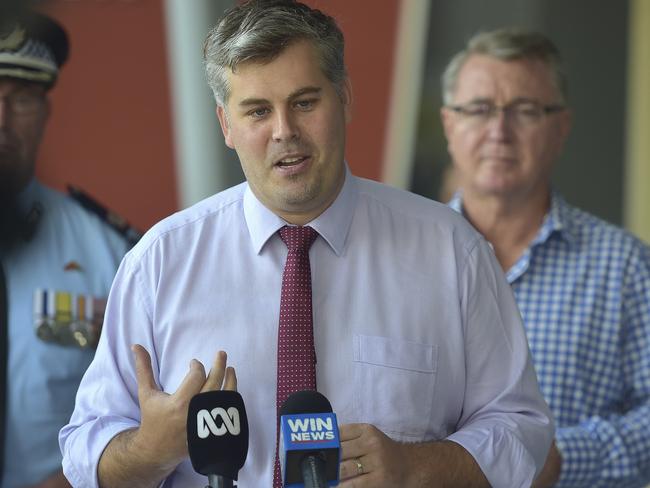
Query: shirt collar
[456,203]
[552,222]
[560,214]
[332,225]
[556,220]
[29,194]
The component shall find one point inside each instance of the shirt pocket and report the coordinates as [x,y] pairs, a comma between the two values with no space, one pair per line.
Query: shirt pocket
[394,382]
[60,372]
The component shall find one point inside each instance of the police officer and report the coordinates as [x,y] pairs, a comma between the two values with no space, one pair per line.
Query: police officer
[57,264]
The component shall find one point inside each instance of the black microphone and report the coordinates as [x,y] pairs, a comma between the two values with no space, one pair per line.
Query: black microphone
[217,436]
[310,448]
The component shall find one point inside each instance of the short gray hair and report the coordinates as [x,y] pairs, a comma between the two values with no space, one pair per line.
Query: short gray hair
[507,44]
[259,30]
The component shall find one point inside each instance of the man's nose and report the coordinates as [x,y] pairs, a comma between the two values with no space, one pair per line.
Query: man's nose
[285,127]
[500,125]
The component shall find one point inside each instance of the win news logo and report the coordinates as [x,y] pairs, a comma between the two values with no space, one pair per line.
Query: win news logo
[218,422]
[311,429]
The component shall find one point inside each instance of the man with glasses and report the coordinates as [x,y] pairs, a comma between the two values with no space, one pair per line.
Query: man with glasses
[582,285]
[57,264]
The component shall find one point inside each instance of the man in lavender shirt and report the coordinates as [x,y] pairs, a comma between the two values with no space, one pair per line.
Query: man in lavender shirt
[419,344]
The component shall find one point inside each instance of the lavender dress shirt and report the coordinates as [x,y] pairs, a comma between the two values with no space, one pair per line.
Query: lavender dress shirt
[416,330]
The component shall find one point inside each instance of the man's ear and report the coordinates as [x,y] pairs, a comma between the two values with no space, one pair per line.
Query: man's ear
[346,98]
[562,127]
[225,127]
[566,124]
[446,119]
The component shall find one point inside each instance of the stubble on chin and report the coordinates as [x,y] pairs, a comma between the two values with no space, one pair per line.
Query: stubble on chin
[14,176]
[299,192]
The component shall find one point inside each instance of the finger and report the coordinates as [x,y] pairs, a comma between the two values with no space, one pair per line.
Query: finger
[354,440]
[352,468]
[230,382]
[352,449]
[351,431]
[217,373]
[143,371]
[193,381]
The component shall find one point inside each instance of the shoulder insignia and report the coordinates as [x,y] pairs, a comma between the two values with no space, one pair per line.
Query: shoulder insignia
[115,221]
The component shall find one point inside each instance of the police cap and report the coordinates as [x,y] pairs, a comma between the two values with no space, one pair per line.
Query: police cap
[32,47]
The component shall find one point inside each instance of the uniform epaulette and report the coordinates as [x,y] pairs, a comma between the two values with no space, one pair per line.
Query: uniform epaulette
[115,221]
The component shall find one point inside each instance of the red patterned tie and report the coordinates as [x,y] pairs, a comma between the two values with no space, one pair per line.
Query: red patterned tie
[296,353]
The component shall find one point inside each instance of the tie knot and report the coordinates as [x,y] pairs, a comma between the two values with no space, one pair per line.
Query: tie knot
[298,238]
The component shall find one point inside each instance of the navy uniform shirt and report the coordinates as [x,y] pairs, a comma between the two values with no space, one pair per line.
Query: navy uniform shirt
[61,274]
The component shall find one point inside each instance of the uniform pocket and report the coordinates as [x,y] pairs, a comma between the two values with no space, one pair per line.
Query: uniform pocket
[61,370]
[394,382]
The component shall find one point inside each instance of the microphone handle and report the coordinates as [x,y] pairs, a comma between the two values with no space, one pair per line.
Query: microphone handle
[217,481]
[313,471]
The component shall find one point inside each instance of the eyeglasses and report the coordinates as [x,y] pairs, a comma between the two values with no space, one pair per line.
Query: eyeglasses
[23,103]
[522,113]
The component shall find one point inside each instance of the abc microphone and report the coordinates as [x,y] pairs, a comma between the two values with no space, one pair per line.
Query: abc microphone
[310,448]
[217,436]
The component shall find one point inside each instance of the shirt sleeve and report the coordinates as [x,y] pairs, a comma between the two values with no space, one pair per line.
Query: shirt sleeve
[505,423]
[614,450]
[107,399]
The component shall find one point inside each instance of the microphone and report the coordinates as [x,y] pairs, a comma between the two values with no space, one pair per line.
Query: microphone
[310,448]
[217,436]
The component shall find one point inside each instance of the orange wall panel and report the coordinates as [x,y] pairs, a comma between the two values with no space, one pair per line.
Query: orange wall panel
[110,131]
[370,30]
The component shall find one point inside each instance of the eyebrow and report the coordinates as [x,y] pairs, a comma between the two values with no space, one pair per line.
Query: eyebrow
[247,102]
[511,102]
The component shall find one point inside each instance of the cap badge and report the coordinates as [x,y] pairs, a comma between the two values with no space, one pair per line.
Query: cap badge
[14,40]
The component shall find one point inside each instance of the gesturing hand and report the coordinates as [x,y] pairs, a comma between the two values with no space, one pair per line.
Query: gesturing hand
[162,432]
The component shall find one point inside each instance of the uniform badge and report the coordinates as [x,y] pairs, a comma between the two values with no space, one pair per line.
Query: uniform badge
[72,266]
[13,40]
[68,319]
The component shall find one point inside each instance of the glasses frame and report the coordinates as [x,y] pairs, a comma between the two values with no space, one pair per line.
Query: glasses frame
[12,101]
[508,110]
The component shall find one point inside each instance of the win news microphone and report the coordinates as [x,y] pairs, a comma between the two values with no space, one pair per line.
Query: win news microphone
[217,436]
[310,448]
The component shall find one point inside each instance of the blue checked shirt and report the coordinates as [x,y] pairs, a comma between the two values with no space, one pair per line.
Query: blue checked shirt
[583,288]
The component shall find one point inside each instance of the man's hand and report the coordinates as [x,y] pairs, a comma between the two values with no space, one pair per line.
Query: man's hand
[369,458]
[162,433]
[550,473]
[146,455]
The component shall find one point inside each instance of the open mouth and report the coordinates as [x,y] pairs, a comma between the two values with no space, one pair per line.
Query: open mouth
[291,161]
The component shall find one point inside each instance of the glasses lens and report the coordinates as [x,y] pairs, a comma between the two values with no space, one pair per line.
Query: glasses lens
[24,103]
[522,113]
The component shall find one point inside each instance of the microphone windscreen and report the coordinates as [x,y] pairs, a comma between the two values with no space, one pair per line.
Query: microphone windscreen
[307,401]
[217,433]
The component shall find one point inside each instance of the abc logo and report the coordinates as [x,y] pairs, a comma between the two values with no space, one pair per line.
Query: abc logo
[206,422]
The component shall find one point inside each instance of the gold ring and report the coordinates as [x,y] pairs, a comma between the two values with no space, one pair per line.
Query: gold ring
[359,466]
